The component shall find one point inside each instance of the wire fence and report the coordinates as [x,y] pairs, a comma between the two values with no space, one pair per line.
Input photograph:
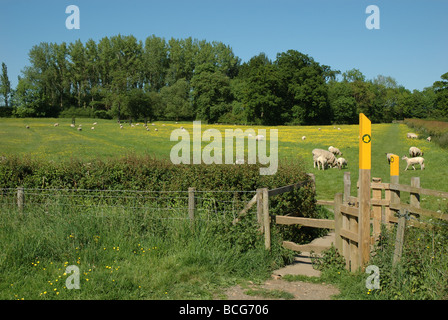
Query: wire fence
[208,205]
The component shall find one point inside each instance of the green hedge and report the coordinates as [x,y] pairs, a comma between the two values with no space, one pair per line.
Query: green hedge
[146,173]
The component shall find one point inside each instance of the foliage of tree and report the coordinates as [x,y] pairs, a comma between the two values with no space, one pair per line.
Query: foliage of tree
[186,79]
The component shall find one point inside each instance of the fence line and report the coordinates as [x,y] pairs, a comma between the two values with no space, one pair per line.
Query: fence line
[195,204]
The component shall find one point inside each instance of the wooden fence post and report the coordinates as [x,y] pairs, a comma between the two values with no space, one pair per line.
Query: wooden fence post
[191,205]
[394,195]
[399,240]
[338,221]
[260,208]
[266,219]
[20,199]
[347,186]
[376,210]
[415,197]
[364,189]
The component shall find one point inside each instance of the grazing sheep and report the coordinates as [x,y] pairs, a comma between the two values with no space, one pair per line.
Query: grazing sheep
[93,128]
[72,125]
[415,152]
[303,138]
[331,160]
[95,123]
[388,155]
[156,129]
[335,151]
[259,137]
[27,127]
[79,129]
[414,161]
[428,139]
[341,163]
[412,135]
[321,162]
[56,124]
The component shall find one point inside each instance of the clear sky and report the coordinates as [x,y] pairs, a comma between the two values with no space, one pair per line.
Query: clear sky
[410,46]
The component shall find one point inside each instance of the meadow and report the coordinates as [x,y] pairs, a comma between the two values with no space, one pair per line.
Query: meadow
[49,143]
[126,254]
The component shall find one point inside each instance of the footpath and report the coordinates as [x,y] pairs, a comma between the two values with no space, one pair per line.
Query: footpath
[300,290]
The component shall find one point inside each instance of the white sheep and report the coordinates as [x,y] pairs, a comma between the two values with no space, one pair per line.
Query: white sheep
[388,155]
[56,124]
[334,151]
[414,161]
[259,137]
[27,127]
[303,138]
[331,160]
[79,129]
[428,139]
[321,162]
[412,135]
[341,163]
[95,123]
[93,128]
[72,125]
[415,152]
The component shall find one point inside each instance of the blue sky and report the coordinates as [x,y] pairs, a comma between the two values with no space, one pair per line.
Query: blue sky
[410,46]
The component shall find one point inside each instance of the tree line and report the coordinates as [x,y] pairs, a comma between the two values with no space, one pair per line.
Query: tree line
[185,79]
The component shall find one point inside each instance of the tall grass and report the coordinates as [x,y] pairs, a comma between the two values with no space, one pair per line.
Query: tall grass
[126,254]
[437,130]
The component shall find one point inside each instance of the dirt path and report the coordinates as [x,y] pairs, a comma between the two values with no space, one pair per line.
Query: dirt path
[279,289]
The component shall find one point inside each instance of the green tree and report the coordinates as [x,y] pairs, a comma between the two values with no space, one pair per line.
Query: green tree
[176,101]
[155,62]
[5,85]
[211,95]
[441,90]
[306,92]
[342,102]
[259,91]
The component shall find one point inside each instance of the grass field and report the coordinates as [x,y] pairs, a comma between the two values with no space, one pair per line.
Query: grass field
[45,141]
[119,258]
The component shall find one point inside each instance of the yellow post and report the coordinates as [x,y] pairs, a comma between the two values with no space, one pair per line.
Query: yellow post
[365,145]
[394,165]
[394,179]
[365,148]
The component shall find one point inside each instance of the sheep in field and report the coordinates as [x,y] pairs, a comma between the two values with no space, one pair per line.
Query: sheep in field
[414,161]
[321,162]
[428,139]
[334,151]
[388,155]
[331,160]
[341,163]
[411,135]
[415,152]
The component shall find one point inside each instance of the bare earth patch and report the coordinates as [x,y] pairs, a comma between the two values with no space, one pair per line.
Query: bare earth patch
[295,290]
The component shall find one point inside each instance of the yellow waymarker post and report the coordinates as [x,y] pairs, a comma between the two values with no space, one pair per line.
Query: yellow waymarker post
[365,145]
[365,149]
[394,179]
[394,166]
